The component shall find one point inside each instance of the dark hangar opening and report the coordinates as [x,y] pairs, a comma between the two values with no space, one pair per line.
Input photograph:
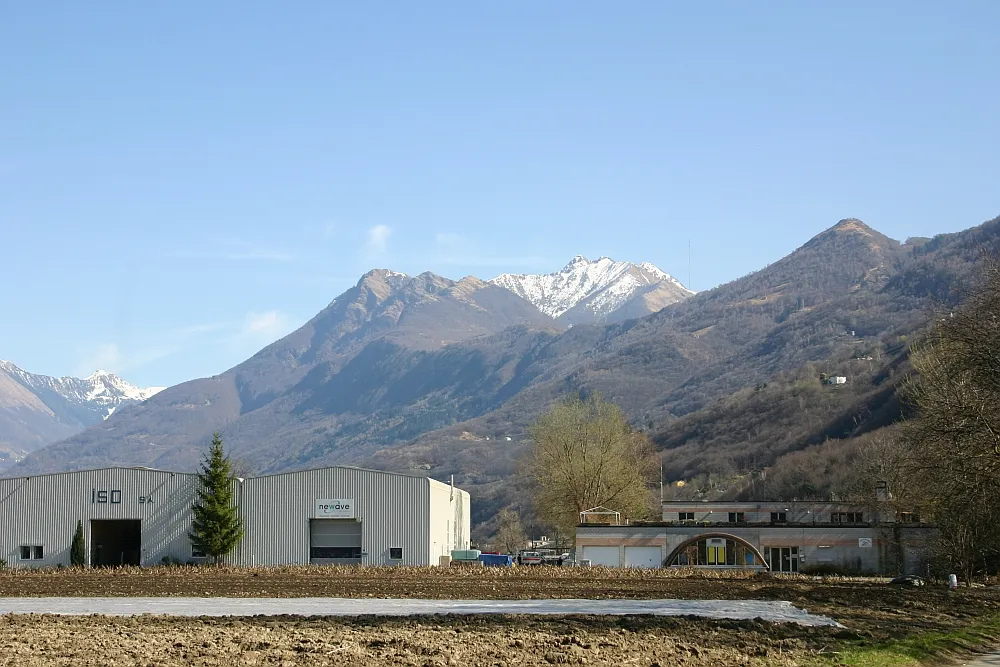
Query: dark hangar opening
[115,542]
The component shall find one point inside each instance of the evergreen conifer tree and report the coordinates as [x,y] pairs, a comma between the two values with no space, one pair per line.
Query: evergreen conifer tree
[77,550]
[217,528]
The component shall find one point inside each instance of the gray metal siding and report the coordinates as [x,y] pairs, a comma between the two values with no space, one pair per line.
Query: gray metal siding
[394,512]
[45,509]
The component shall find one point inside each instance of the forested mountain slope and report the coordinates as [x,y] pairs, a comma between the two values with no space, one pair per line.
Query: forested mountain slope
[443,377]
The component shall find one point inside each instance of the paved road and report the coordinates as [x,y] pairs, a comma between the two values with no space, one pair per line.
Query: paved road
[987,661]
[736,609]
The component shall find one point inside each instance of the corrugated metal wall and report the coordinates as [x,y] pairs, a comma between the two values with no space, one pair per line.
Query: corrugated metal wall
[44,510]
[395,512]
[393,509]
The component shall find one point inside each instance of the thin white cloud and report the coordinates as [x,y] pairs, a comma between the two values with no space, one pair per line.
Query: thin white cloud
[239,337]
[261,329]
[197,329]
[111,357]
[457,250]
[494,262]
[117,359]
[264,323]
[378,240]
[330,230]
[448,240]
[105,357]
[261,255]
[332,281]
[236,250]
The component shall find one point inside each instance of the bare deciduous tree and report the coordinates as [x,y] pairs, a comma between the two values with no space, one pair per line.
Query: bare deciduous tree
[882,474]
[956,438]
[510,537]
[585,455]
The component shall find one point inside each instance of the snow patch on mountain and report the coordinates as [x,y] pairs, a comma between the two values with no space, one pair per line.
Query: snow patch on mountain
[602,285]
[102,392]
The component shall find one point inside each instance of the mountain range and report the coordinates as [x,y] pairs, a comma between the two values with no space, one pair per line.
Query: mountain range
[422,313]
[443,377]
[36,410]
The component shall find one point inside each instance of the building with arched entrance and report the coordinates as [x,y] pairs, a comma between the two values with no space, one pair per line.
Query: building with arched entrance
[776,536]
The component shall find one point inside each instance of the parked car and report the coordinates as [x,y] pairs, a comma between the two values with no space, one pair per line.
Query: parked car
[529,558]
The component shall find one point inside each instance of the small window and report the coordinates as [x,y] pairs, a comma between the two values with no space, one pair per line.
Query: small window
[196,553]
[335,552]
[847,517]
[779,517]
[685,516]
[32,552]
[395,553]
[737,517]
[909,517]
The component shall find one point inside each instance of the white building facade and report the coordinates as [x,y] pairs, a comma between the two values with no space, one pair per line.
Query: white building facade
[138,516]
[777,536]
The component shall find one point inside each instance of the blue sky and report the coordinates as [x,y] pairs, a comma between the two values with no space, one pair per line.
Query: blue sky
[183,182]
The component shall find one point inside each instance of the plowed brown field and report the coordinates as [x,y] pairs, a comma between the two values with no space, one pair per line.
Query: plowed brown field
[872,611]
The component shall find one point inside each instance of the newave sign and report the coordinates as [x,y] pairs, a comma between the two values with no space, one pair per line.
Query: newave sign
[335,508]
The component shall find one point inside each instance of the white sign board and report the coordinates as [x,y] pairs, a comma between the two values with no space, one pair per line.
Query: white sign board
[335,508]
[865,542]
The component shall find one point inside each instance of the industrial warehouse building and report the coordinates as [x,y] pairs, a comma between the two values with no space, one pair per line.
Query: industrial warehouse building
[776,536]
[140,516]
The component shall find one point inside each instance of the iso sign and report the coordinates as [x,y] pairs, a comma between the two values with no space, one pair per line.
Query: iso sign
[865,542]
[335,508]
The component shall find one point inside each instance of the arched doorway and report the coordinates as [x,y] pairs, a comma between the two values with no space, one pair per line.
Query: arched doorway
[717,550]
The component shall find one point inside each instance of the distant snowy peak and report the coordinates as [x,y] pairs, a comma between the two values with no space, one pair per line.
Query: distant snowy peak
[586,290]
[100,392]
[110,386]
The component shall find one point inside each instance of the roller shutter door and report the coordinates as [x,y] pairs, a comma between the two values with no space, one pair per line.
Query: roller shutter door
[642,557]
[334,540]
[607,556]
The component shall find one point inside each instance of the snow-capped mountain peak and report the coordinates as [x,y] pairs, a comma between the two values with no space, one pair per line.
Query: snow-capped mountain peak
[101,392]
[596,290]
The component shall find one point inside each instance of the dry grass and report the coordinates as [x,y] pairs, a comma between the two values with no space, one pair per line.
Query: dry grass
[356,572]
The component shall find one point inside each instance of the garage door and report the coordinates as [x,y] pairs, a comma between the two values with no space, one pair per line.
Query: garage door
[334,540]
[642,557]
[602,556]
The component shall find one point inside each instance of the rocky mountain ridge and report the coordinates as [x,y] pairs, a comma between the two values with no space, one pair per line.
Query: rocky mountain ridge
[36,410]
[433,375]
[598,291]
